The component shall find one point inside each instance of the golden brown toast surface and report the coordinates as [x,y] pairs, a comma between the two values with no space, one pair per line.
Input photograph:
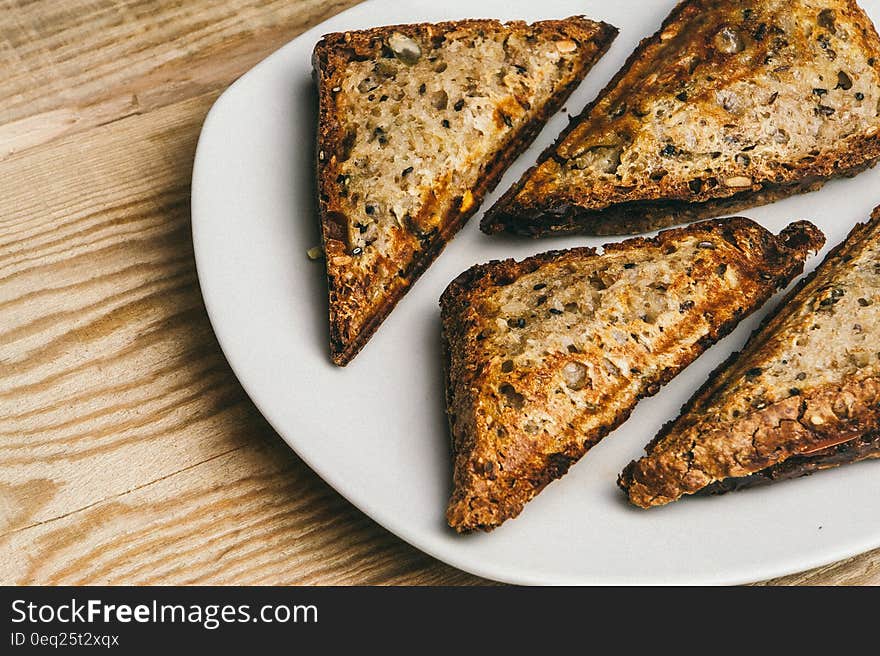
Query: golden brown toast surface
[731,104]
[547,355]
[416,124]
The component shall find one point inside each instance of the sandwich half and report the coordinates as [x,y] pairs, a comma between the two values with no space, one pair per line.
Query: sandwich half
[803,395]
[416,124]
[731,104]
[546,356]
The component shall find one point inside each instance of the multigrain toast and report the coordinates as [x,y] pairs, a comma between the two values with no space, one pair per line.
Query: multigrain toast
[731,104]
[416,124]
[546,356]
[803,395]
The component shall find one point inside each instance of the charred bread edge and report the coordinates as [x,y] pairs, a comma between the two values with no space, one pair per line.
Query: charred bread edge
[634,217]
[865,447]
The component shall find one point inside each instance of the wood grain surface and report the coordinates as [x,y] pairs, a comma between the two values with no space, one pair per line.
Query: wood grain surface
[128,451]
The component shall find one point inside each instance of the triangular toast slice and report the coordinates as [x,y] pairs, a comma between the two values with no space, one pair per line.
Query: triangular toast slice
[547,355]
[731,104]
[416,124]
[803,395]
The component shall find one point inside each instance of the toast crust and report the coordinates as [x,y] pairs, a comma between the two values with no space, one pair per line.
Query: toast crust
[353,316]
[635,217]
[501,463]
[866,447]
[797,425]
[542,203]
[713,441]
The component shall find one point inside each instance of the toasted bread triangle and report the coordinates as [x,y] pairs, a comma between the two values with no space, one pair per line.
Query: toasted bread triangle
[548,355]
[416,124]
[803,395]
[729,105]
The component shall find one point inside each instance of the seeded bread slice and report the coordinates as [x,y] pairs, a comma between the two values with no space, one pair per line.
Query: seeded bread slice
[731,104]
[416,124]
[548,355]
[803,395]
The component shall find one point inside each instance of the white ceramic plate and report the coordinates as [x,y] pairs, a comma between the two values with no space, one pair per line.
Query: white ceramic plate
[376,430]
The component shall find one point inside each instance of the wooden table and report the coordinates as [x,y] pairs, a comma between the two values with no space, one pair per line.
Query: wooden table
[128,451]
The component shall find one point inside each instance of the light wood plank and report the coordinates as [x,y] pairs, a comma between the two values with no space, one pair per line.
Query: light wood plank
[254,515]
[69,66]
[113,392]
[108,361]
